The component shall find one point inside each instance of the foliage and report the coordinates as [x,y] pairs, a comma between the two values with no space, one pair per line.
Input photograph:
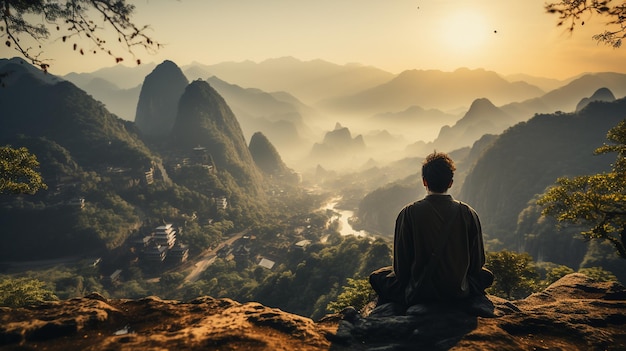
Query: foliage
[71,18]
[599,274]
[357,293]
[572,11]
[515,274]
[546,147]
[597,200]
[18,171]
[109,220]
[20,292]
[557,273]
[310,280]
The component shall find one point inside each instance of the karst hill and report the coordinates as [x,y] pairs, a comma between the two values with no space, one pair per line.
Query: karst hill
[574,313]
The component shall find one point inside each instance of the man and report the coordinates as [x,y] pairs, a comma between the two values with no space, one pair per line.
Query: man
[438,246]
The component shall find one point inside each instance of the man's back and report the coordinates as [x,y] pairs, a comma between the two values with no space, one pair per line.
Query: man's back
[419,234]
[438,245]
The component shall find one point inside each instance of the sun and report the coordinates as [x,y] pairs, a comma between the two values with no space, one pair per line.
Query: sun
[464,31]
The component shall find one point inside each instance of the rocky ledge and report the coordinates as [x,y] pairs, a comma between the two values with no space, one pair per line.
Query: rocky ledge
[574,313]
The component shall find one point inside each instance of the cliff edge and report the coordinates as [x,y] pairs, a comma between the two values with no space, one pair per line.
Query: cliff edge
[574,313]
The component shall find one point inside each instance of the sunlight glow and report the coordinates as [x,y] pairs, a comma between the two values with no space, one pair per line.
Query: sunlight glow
[464,32]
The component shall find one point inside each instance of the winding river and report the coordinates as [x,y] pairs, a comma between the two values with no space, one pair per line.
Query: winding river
[345,228]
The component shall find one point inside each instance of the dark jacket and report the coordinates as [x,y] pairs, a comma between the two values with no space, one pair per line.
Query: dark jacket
[417,233]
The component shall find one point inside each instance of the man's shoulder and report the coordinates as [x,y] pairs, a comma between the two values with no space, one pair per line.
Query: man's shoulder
[466,206]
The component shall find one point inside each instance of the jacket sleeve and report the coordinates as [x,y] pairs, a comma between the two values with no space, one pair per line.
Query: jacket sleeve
[403,254]
[477,247]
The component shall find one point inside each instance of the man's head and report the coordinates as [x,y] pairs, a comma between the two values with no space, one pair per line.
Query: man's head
[437,172]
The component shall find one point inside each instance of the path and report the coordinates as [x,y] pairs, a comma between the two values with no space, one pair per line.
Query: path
[207,257]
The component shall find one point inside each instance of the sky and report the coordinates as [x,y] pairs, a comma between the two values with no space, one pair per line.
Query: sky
[508,37]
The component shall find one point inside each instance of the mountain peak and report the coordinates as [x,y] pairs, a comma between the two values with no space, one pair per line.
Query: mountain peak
[204,119]
[481,104]
[602,94]
[266,157]
[158,100]
[12,69]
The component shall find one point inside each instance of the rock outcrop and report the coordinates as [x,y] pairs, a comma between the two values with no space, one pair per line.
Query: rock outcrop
[158,100]
[574,313]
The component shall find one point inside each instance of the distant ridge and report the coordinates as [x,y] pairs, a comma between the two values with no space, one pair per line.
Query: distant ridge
[483,117]
[568,96]
[530,156]
[12,69]
[310,81]
[70,117]
[434,89]
[602,94]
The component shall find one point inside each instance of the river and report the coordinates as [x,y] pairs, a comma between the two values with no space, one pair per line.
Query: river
[345,228]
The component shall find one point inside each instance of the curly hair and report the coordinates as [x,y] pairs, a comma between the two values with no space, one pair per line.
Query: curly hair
[438,170]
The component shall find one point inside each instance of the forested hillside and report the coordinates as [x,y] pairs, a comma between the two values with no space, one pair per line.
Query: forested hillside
[530,156]
[104,182]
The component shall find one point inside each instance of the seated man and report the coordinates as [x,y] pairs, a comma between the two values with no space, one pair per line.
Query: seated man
[438,252]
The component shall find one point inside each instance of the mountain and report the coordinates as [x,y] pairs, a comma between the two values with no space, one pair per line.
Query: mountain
[13,69]
[568,96]
[267,158]
[530,156]
[73,119]
[338,149]
[124,77]
[602,94]
[433,89]
[415,122]
[88,156]
[122,102]
[310,81]
[279,115]
[158,101]
[482,118]
[205,120]
[545,84]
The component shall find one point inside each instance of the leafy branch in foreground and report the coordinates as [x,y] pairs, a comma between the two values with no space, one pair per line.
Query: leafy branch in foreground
[71,18]
[572,11]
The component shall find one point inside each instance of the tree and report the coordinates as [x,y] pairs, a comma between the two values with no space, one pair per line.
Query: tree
[72,19]
[20,292]
[597,200]
[18,172]
[358,293]
[572,11]
[515,274]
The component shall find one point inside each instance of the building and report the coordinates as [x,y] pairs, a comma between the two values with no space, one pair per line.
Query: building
[165,235]
[140,242]
[78,202]
[265,263]
[115,276]
[302,244]
[179,253]
[148,176]
[221,203]
[156,253]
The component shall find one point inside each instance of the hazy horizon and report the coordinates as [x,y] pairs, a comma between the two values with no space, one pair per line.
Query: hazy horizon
[508,38]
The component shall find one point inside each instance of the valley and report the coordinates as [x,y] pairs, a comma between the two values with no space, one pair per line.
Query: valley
[228,156]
